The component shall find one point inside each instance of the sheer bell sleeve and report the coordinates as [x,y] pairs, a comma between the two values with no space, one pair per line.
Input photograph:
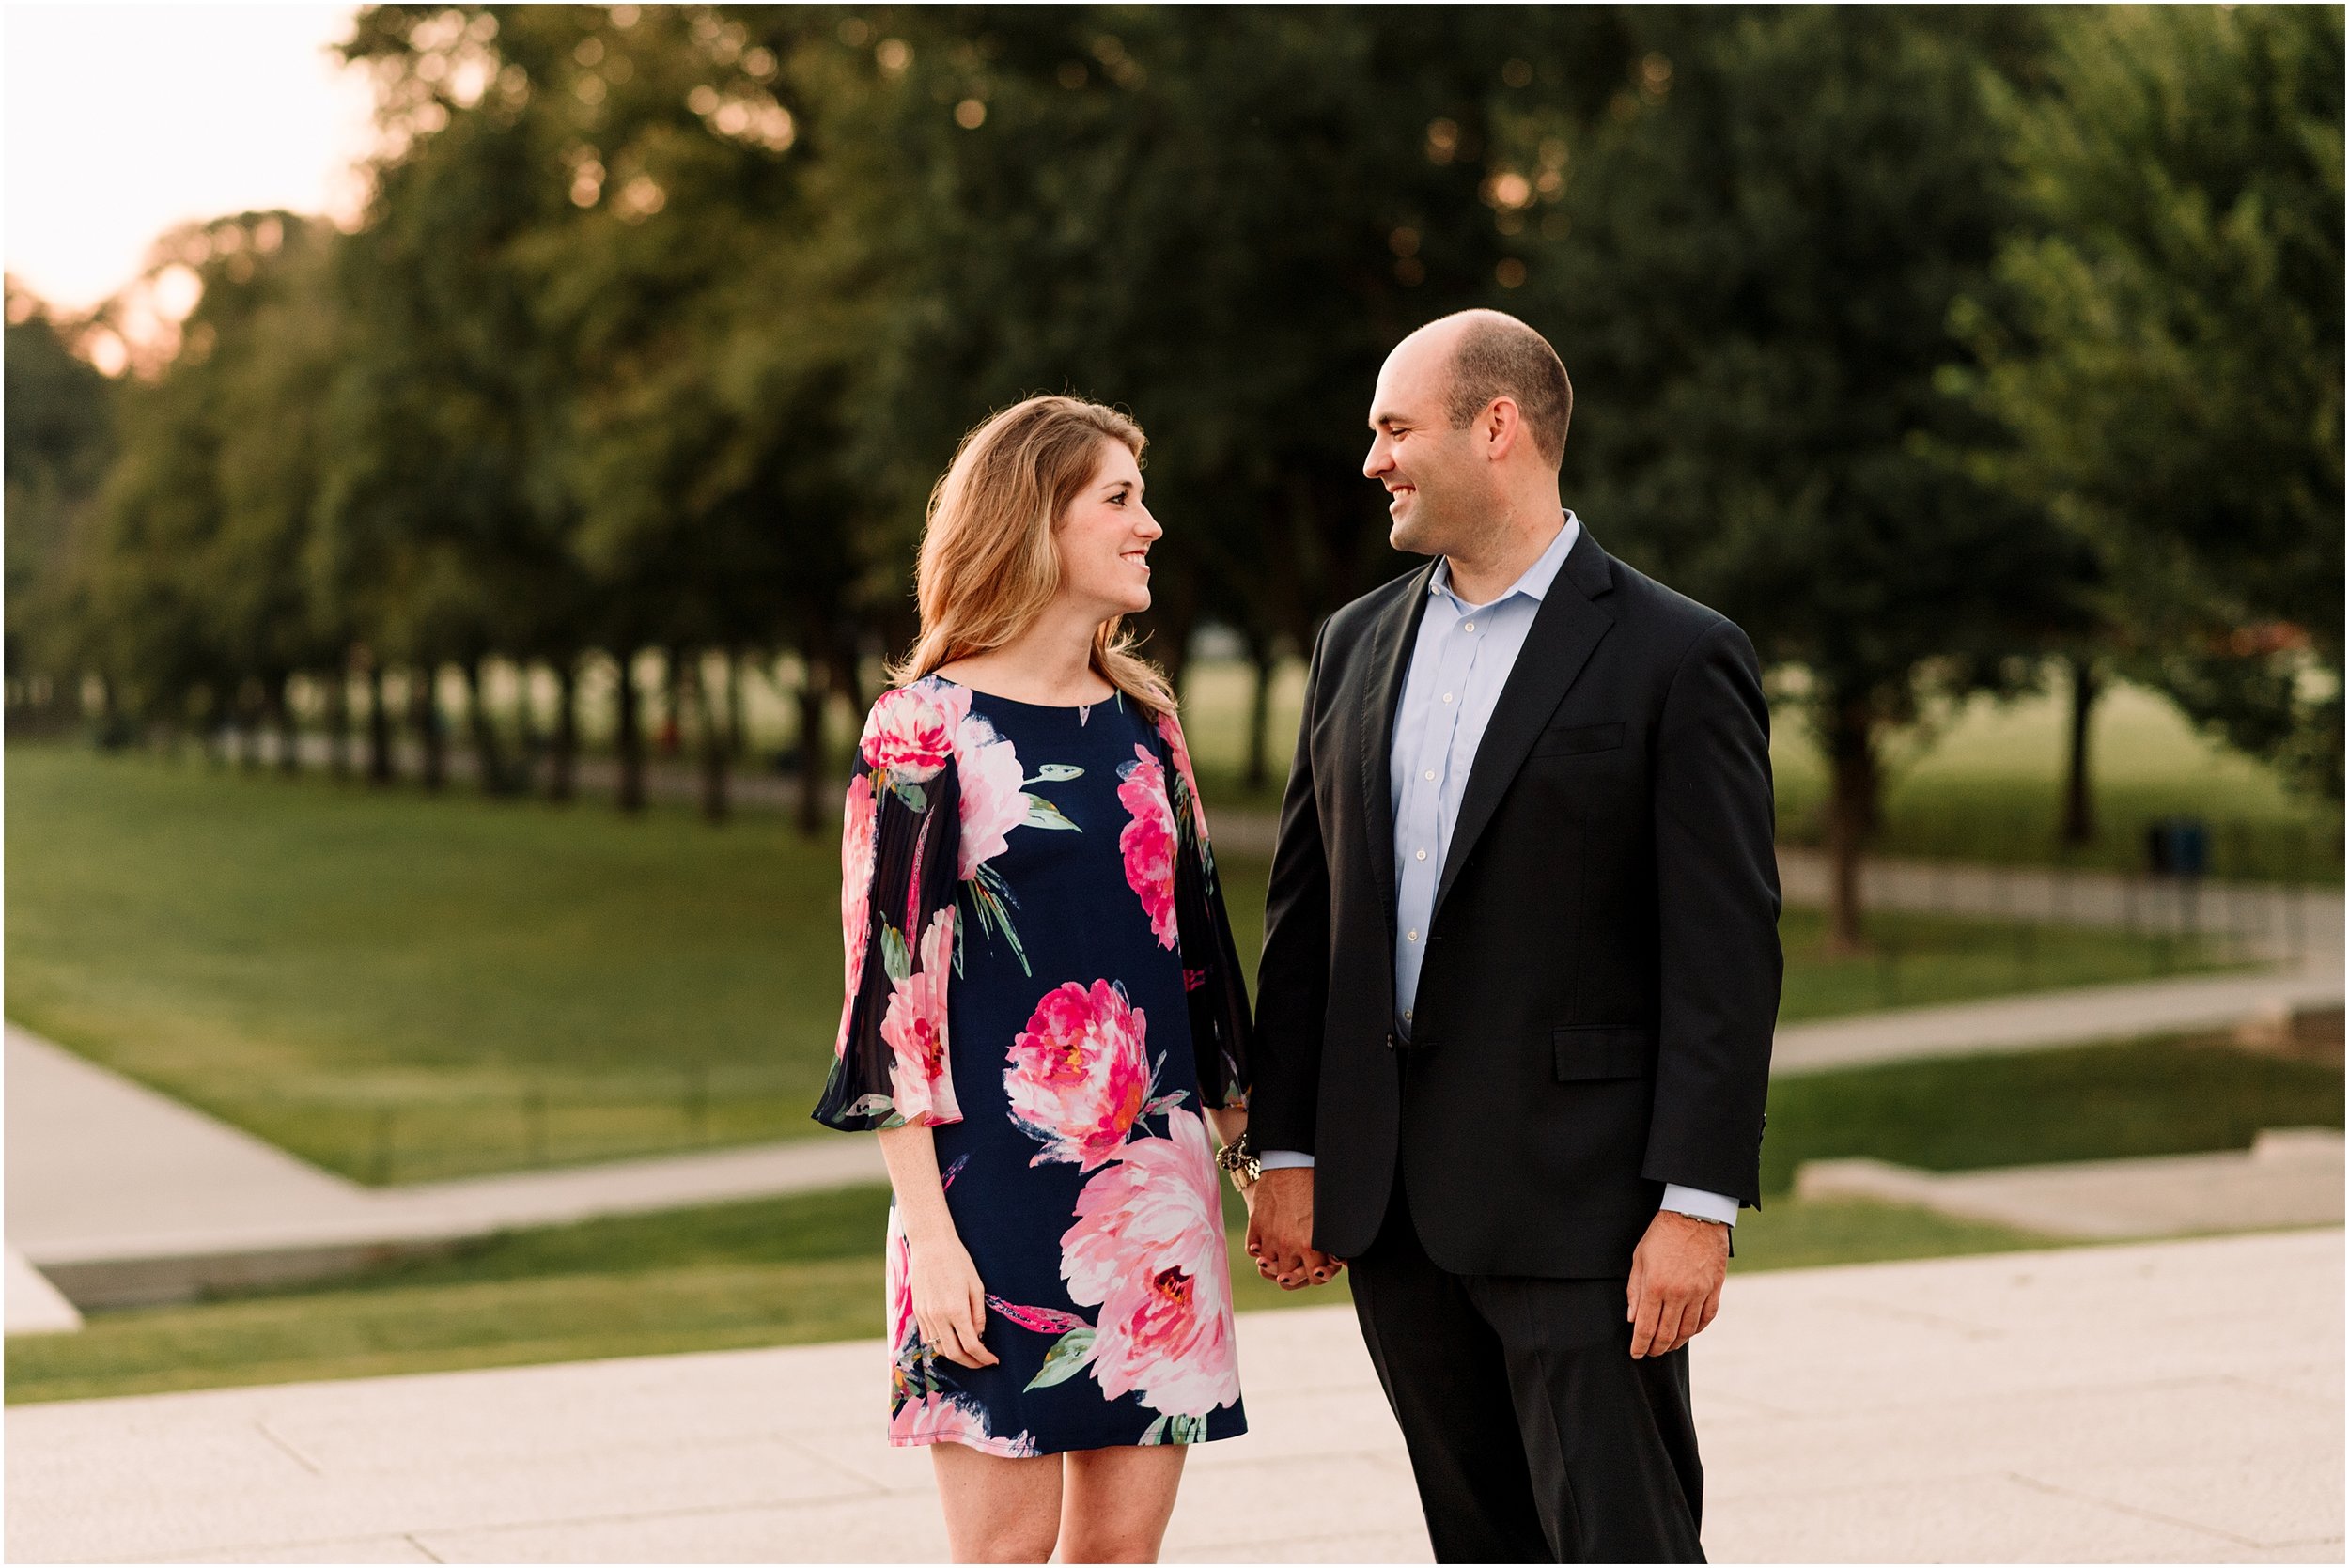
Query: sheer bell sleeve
[1213,981]
[900,843]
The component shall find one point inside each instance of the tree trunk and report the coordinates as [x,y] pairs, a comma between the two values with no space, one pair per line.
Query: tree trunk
[110,726]
[711,739]
[289,730]
[489,757]
[672,702]
[1259,714]
[528,743]
[847,677]
[248,726]
[1170,642]
[1851,821]
[379,728]
[423,712]
[338,722]
[737,709]
[563,754]
[2080,801]
[815,679]
[218,724]
[629,741]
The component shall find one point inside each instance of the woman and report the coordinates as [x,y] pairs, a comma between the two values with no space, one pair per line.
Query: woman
[1044,1013]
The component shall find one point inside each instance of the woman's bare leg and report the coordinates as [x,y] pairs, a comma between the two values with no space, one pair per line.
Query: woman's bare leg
[1117,1502]
[997,1510]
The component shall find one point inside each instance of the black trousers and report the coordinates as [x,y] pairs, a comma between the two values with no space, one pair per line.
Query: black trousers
[1534,1435]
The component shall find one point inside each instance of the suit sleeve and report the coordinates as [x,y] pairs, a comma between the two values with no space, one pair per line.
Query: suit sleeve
[1717,907]
[1293,977]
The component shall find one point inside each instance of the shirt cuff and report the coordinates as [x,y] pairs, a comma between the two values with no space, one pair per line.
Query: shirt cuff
[1691,1200]
[1282,1159]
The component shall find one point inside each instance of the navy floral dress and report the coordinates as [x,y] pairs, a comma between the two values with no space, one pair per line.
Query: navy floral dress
[1039,966]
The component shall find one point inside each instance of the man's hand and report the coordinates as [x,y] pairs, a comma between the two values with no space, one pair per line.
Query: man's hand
[1281,1230]
[1677,1275]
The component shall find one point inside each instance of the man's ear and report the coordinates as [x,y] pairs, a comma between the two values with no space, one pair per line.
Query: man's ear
[1504,425]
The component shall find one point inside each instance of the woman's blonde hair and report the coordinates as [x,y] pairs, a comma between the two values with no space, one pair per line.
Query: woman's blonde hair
[988,565]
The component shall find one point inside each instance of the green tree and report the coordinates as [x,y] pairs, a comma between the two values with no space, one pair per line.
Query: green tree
[1750,282]
[1220,220]
[2162,344]
[193,587]
[61,440]
[446,518]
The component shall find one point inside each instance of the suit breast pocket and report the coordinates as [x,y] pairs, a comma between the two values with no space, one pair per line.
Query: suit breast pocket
[1579,739]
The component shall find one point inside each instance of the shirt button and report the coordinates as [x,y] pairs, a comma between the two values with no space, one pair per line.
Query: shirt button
[1422,854]
[1430,774]
[1467,626]
[1447,696]
[1410,935]
[1406,1014]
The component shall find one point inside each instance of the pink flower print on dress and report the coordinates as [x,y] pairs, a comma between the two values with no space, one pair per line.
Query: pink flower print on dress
[1147,1249]
[1079,1073]
[911,733]
[914,1028]
[903,1336]
[944,1418]
[856,892]
[1171,731]
[993,802]
[1148,842]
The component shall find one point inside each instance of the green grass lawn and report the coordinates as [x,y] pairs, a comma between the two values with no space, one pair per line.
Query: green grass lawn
[807,1269]
[2114,1101]
[402,988]
[1981,784]
[303,957]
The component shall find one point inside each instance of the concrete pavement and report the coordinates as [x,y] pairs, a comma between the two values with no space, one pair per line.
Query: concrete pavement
[122,1196]
[2174,1402]
[2046,1020]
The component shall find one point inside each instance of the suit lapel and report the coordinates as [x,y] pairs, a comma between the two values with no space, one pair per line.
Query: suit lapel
[1567,628]
[1392,638]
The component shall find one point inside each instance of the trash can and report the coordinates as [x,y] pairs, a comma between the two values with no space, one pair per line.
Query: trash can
[2177,847]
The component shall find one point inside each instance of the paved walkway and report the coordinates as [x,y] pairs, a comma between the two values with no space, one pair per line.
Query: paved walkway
[2043,1021]
[2288,1177]
[2098,1404]
[120,1195]
[123,1195]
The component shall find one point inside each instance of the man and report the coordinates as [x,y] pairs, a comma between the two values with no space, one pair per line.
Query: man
[1520,972]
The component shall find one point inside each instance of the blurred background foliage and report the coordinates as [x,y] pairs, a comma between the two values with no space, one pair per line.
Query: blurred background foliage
[1949,350]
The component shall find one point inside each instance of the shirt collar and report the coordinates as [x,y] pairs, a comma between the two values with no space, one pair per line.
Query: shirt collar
[1533,583]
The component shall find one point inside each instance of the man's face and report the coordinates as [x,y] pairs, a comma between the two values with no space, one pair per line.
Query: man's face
[1440,486]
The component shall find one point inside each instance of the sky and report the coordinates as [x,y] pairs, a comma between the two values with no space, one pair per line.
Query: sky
[122,120]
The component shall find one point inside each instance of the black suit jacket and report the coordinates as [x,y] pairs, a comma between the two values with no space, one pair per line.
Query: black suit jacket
[1601,982]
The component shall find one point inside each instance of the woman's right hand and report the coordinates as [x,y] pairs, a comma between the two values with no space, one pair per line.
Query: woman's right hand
[949,1301]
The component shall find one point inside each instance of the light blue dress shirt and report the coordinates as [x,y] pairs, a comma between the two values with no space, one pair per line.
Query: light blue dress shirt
[1458,665]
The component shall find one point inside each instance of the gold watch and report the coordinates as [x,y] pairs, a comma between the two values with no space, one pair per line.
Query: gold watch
[1238,1160]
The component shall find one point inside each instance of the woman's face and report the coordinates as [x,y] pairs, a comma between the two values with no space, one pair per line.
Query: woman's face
[1104,541]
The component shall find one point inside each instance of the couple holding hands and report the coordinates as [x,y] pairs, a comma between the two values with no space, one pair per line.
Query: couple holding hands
[1507,1057]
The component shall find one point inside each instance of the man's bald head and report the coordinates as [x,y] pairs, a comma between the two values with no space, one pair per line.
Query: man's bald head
[1496,356]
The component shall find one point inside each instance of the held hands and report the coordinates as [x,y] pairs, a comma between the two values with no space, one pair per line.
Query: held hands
[949,1302]
[1677,1275]
[1281,1230]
